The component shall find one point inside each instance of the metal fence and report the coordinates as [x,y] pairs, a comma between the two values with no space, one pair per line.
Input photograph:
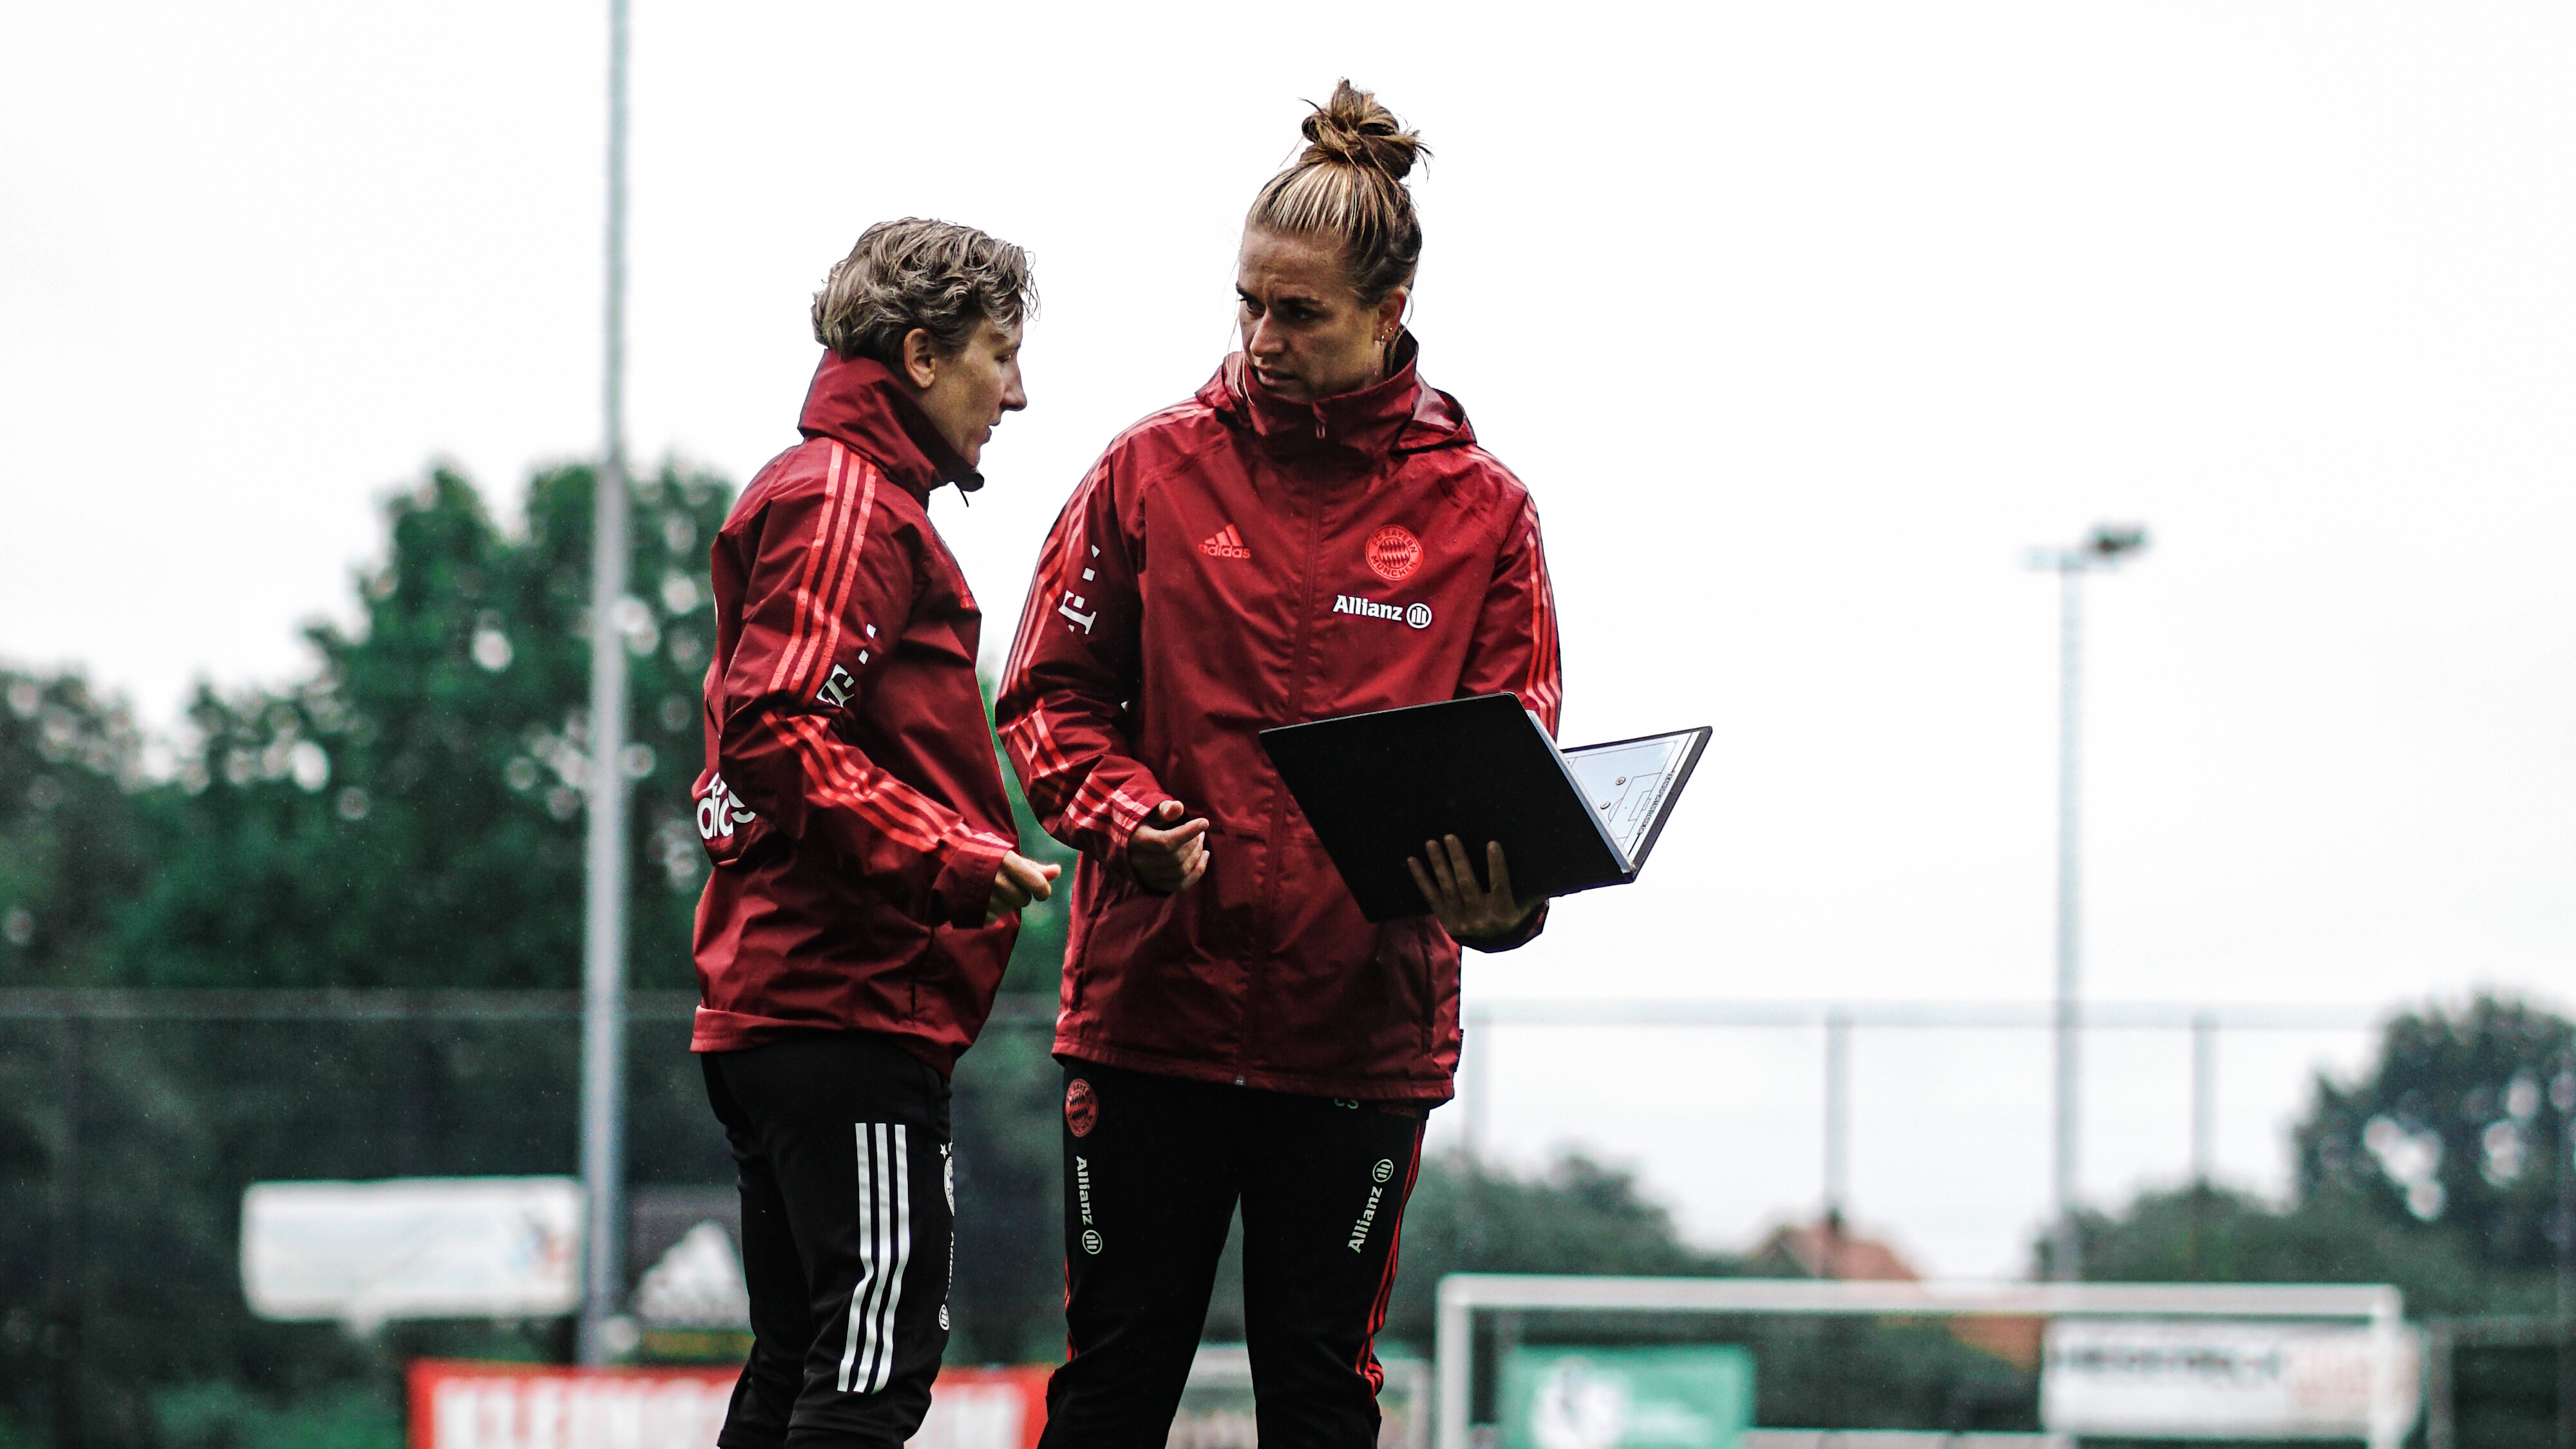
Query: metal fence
[131,1122]
[1836,1026]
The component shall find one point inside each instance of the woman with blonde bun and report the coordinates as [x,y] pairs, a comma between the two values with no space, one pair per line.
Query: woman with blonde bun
[1314,533]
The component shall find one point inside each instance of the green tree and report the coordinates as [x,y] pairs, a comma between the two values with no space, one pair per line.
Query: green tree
[2436,1169]
[410,813]
[72,850]
[2213,1234]
[1579,1216]
[2461,1125]
[407,813]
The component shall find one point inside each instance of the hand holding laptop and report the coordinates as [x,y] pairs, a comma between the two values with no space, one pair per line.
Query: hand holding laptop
[1378,786]
[1450,886]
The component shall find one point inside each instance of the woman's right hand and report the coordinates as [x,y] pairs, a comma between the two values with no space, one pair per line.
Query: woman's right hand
[1168,854]
[1019,881]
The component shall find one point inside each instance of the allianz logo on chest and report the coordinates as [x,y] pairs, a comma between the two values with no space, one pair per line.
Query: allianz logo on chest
[1417,614]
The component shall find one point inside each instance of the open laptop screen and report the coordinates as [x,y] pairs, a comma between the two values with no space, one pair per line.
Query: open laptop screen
[1630,782]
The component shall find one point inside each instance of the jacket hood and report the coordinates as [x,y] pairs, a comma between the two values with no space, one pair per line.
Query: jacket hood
[857,402]
[1402,414]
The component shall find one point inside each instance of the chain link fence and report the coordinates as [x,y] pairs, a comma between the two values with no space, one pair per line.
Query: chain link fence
[131,1122]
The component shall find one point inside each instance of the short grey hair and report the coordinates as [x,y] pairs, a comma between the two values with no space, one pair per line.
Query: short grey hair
[938,276]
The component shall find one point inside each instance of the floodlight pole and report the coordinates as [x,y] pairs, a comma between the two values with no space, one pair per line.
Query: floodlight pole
[2204,1099]
[1838,1027]
[2562,1095]
[603,946]
[2101,549]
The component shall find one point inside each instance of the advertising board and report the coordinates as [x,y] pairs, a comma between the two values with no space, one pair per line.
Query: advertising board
[1680,1396]
[2181,1379]
[1217,1409]
[466,1405]
[452,1247]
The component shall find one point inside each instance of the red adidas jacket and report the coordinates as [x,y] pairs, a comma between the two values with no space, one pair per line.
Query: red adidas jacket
[1237,562]
[850,800]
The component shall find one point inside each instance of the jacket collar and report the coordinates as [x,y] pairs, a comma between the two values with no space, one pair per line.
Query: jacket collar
[1401,414]
[858,402]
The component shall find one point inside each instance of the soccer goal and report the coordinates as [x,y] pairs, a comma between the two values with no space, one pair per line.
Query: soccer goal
[2132,1360]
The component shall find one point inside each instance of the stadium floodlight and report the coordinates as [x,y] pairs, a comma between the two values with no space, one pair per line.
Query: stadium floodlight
[603,943]
[2103,547]
[2390,1393]
[2109,541]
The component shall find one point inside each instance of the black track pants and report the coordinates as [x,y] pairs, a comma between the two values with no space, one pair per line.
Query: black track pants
[847,1209]
[1153,1167]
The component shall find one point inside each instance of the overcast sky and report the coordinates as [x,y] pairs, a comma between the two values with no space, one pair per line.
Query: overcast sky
[1802,321]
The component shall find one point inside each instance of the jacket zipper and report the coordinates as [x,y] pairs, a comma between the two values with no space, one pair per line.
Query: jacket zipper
[1296,712]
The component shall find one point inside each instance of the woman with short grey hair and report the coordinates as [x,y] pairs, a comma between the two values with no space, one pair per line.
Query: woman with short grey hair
[867,885]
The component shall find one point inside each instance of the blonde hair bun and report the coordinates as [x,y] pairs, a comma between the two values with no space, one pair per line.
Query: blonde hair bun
[1352,129]
[1349,185]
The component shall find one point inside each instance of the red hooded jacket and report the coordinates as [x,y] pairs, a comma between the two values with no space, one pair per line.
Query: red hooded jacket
[1233,563]
[850,801]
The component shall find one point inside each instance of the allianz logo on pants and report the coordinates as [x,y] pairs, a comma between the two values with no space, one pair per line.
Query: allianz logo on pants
[1091,1239]
[1384,1170]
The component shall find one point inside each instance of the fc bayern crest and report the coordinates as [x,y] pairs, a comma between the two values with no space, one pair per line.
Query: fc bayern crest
[1081,1109]
[1394,553]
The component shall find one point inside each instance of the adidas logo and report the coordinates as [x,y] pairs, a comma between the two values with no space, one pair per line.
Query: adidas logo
[1226,544]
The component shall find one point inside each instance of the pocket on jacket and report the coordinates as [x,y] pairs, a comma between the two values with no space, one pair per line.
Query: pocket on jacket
[1402,949]
[1114,916]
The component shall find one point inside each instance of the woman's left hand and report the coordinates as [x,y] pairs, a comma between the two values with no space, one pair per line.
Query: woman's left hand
[1450,886]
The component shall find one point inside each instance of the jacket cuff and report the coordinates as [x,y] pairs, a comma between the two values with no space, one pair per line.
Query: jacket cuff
[1512,940]
[964,890]
[1126,812]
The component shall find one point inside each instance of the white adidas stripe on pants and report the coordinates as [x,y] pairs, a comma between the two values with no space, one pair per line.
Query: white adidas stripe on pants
[885,1238]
